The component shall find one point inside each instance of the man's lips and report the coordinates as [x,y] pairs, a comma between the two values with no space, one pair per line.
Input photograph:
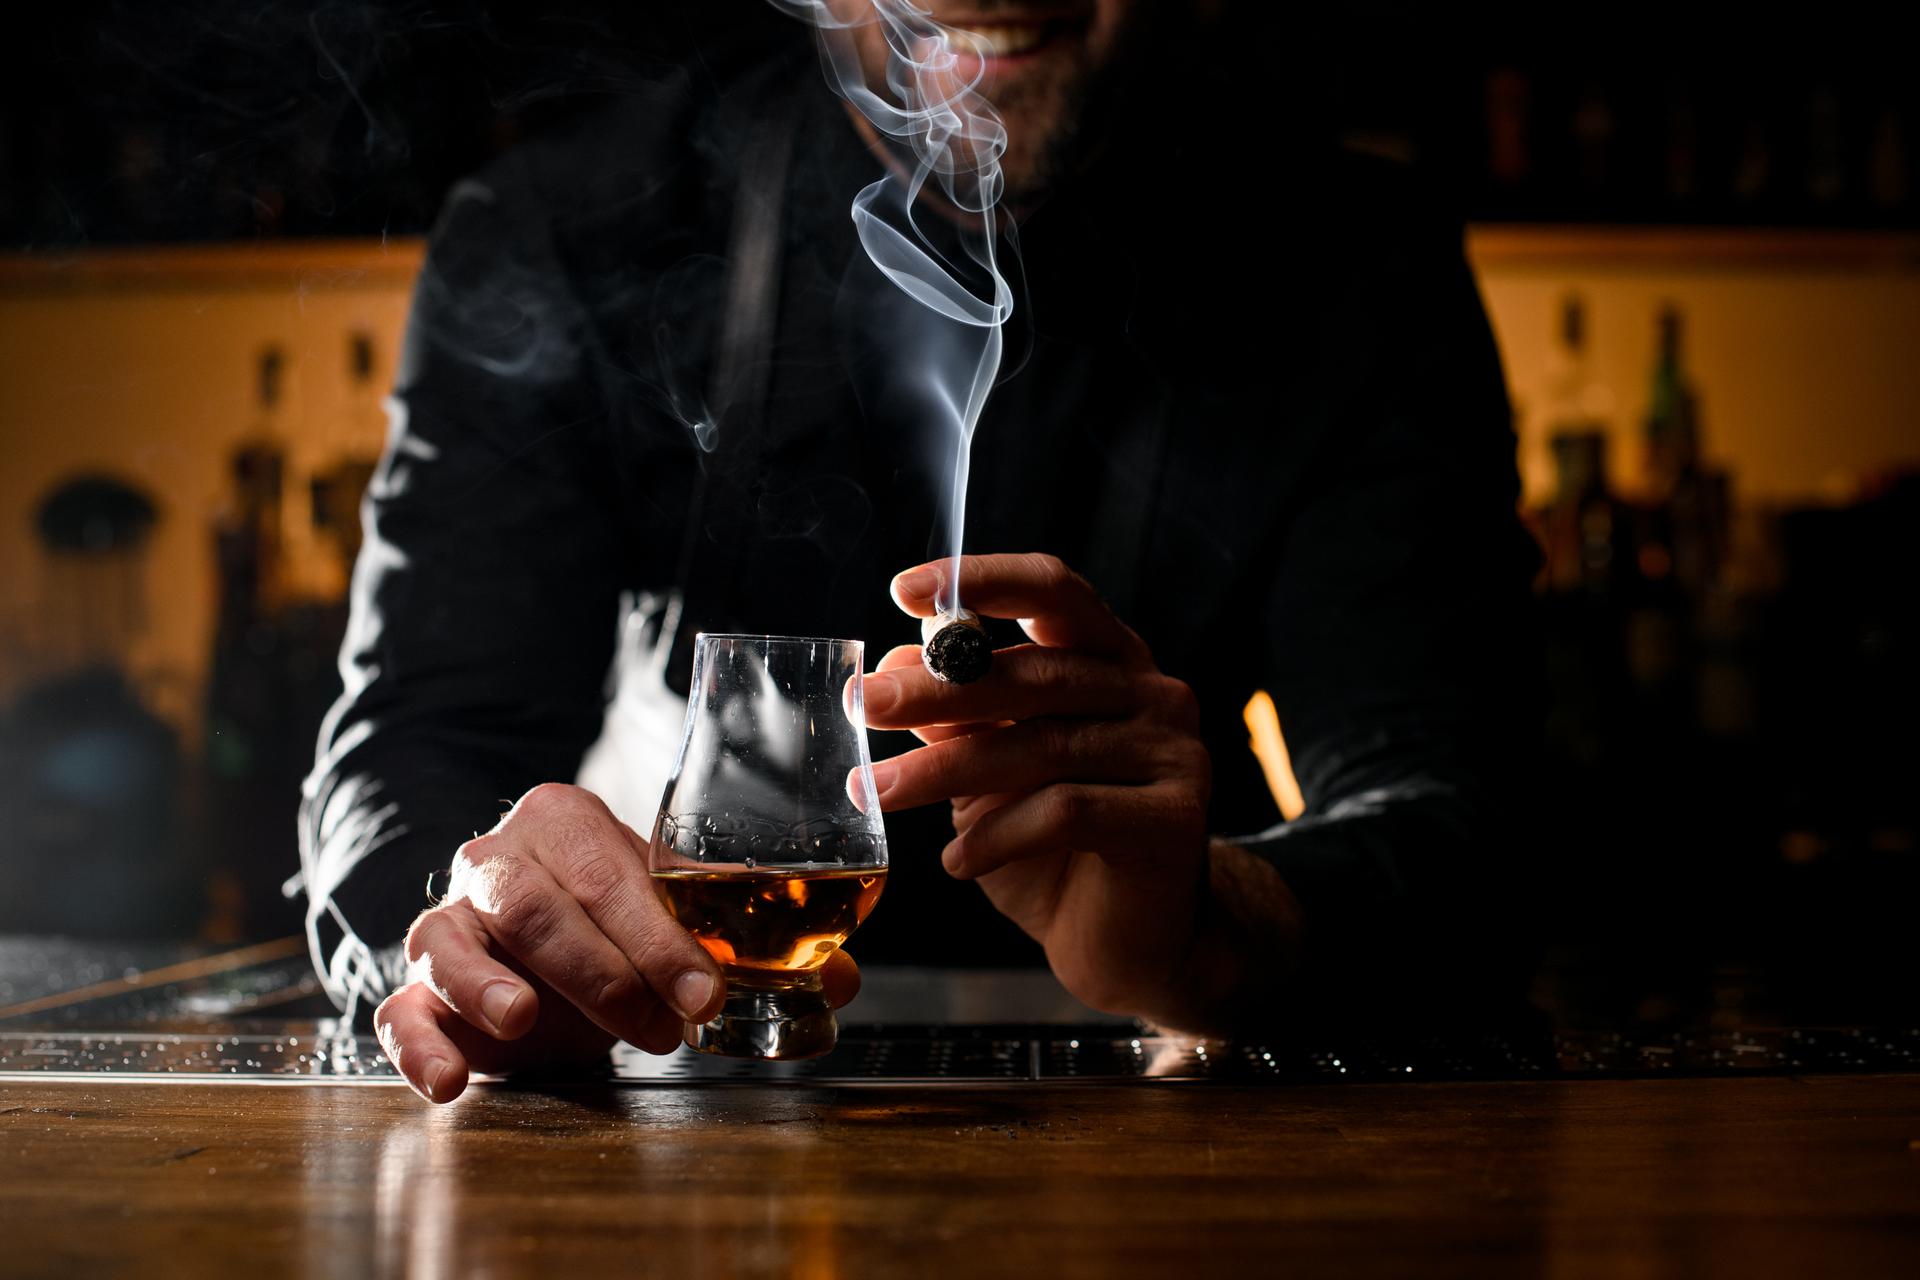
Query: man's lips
[1001,42]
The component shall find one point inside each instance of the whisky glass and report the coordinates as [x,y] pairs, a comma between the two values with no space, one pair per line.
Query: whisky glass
[760,849]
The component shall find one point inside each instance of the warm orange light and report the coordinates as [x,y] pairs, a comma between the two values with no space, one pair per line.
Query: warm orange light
[810,952]
[1263,723]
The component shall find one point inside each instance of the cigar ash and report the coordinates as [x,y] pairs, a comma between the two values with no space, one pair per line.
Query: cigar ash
[955,647]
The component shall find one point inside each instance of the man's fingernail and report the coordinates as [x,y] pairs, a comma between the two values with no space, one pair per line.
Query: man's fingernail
[950,858]
[496,1002]
[435,1074]
[916,584]
[691,991]
[880,691]
[885,774]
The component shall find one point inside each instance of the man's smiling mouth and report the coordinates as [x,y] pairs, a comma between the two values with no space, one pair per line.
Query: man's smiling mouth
[1003,44]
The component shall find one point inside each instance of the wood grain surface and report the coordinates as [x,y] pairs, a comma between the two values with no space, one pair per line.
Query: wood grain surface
[1812,1176]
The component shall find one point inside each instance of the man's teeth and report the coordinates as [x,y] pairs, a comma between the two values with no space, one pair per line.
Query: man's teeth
[1004,42]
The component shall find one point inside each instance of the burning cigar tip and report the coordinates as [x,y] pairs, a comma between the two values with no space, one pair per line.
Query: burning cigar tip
[955,647]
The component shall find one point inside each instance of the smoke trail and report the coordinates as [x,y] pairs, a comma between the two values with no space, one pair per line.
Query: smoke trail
[956,140]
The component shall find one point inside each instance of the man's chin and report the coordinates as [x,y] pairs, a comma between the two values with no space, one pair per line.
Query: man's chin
[1041,144]
[1026,180]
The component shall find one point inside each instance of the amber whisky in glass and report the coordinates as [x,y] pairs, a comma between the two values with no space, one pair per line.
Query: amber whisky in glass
[768,847]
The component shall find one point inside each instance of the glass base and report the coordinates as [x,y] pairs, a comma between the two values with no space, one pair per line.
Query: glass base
[772,1024]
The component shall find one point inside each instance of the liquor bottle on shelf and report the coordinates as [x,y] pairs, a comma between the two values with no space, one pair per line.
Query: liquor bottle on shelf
[1570,398]
[338,488]
[1826,173]
[1682,159]
[1594,134]
[1686,516]
[248,535]
[1673,427]
[1887,163]
[1581,524]
[1584,524]
[1753,169]
[251,760]
[1509,149]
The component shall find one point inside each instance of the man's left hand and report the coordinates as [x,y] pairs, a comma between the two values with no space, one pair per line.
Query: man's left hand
[1077,774]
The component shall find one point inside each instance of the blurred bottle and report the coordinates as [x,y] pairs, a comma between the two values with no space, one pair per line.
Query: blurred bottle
[250,769]
[1509,150]
[1753,167]
[1686,521]
[1584,528]
[1570,398]
[248,535]
[365,421]
[89,775]
[1698,631]
[1826,174]
[1581,531]
[337,490]
[1673,424]
[1581,525]
[1887,160]
[1594,133]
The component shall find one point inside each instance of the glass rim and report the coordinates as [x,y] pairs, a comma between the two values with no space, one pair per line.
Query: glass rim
[753,635]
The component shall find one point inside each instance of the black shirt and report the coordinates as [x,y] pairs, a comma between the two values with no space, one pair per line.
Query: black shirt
[1268,422]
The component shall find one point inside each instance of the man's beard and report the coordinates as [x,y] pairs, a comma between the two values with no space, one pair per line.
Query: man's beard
[1085,111]
[1047,127]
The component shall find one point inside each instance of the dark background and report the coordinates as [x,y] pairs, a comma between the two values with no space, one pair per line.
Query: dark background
[221,120]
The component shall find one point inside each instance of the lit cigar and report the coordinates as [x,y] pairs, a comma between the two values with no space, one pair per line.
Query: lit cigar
[955,647]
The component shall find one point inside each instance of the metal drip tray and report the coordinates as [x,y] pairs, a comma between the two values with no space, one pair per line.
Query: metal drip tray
[320,1054]
[254,1015]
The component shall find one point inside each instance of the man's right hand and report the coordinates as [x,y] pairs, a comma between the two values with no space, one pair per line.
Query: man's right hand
[550,946]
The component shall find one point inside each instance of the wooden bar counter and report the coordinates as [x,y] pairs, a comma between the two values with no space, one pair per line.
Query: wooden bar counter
[1748,1177]
[1774,1173]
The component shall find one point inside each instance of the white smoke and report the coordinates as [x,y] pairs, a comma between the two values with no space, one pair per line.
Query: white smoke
[956,140]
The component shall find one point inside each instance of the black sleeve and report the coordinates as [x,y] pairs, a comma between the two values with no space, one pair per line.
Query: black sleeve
[485,598]
[1401,656]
